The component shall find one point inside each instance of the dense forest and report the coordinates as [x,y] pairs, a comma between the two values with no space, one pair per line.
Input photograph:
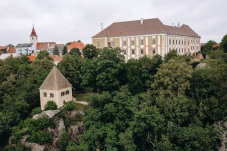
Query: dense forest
[145,104]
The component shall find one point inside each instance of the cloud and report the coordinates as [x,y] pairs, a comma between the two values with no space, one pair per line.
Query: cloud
[64,21]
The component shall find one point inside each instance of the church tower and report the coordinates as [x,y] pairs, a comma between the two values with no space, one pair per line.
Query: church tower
[33,37]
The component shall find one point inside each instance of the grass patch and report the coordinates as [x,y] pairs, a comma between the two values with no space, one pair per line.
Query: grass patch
[83,96]
[79,106]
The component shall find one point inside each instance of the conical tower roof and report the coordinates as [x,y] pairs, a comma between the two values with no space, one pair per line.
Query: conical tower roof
[33,33]
[55,81]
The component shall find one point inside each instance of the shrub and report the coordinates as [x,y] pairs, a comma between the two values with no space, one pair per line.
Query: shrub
[35,111]
[69,106]
[51,105]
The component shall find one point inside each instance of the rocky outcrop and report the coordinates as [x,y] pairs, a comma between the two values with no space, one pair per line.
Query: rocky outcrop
[73,113]
[48,113]
[35,146]
[74,131]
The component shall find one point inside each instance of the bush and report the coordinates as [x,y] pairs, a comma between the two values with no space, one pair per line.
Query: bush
[40,137]
[51,105]
[35,111]
[69,106]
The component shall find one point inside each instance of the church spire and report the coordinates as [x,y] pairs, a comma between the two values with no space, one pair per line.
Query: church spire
[33,33]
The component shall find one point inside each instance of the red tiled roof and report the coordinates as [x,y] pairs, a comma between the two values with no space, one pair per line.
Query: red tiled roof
[31,58]
[74,44]
[60,44]
[56,58]
[149,26]
[215,46]
[33,33]
[3,47]
[44,45]
[12,50]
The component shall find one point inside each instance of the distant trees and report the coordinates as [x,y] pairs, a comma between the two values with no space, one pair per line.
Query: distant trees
[56,51]
[223,44]
[207,48]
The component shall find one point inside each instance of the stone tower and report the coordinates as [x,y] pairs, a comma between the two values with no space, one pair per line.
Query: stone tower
[33,37]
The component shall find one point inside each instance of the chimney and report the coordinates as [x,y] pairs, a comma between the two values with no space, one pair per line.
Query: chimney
[101,24]
[141,21]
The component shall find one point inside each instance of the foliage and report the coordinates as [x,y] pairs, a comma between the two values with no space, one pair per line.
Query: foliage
[207,48]
[70,69]
[36,110]
[56,51]
[90,51]
[72,147]
[64,141]
[75,51]
[170,55]
[172,78]
[50,105]
[69,106]
[43,54]
[223,44]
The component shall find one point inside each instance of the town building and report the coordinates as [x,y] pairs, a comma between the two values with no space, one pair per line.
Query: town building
[55,88]
[147,37]
[25,48]
[33,37]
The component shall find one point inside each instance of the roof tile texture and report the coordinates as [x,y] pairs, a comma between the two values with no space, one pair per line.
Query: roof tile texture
[74,44]
[55,81]
[149,26]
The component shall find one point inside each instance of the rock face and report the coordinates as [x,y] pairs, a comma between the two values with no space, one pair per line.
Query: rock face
[48,113]
[74,132]
[35,146]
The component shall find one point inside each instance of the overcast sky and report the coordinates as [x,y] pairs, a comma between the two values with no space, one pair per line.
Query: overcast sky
[62,21]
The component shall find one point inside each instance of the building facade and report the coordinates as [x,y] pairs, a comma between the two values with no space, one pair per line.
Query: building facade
[147,37]
[55,88]
[25,48]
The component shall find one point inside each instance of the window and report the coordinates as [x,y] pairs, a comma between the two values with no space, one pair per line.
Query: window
[45,94]
[173,41]
[179,50]
[108,44]
[67,92]
[188,42]
[133,52]
[169,41]
[124,52]
[184,42]
[182,50]
[98,44]
[153,41]
[141,51]
[153,51]
[63,93]
[124,42]
[141,41]
[176,42]
[51,95]
[112,43]
[132,42]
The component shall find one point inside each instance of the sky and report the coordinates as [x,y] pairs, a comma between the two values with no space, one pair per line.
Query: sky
[63,21]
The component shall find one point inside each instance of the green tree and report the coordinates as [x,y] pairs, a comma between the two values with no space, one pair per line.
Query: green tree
[75,50]
[170,55]
[90,51]
[172,78]
[43,54]
[223,44]
[56,51]
[69,68]
[50,105]
[207,48]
